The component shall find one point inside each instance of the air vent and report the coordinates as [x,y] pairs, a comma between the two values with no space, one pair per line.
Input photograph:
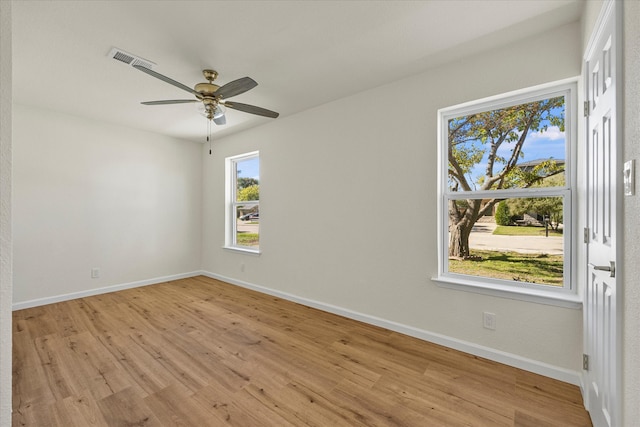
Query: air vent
[130,59]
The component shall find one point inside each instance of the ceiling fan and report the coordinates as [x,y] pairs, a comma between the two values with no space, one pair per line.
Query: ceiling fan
[211,95]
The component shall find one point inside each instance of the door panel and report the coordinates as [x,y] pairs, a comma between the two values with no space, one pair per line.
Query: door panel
[601,295]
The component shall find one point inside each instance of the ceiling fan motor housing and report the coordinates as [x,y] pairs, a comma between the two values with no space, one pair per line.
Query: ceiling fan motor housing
[206,89]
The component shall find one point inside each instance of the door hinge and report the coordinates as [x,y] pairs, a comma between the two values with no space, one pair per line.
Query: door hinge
[586,235]
[586,108]
[585,362]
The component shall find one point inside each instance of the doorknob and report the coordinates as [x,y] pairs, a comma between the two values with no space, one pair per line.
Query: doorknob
[611,268]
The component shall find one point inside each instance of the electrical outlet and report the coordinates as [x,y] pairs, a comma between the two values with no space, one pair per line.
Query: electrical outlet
[95,273]
[489,320]
[242,267]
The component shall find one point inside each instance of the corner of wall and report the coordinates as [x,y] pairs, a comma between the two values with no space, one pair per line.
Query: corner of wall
[6,243]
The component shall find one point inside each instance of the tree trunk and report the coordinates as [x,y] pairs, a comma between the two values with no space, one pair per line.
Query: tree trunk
[459,239]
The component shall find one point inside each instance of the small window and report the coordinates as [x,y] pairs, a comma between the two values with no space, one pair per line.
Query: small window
[505,204]
[243,202]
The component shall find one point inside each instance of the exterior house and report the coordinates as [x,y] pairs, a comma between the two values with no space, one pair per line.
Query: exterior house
[532,217]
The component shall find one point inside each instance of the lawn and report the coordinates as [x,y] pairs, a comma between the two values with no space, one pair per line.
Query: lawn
[247,239]
[514,230]
[516,266]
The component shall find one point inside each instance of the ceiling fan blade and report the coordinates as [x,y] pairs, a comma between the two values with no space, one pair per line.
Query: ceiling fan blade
[166,79]
[252,109]
[236,87]
[220,120]
[170,101]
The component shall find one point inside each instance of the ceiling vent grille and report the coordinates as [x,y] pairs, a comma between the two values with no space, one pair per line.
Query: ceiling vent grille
[130,59]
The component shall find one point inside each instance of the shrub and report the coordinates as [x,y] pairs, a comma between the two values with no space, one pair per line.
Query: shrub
[502,214]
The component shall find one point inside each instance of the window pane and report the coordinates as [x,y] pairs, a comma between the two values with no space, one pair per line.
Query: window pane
[521,146]
[248,179]
[521,240]
[248,225]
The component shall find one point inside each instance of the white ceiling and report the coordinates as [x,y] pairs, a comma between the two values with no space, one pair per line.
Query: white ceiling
[301,53]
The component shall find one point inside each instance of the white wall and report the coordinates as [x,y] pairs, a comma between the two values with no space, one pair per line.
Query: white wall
[631,251]
[5,214]
[348,205]
[89,194]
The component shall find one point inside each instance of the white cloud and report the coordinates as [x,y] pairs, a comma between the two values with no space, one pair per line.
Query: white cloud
[552,133]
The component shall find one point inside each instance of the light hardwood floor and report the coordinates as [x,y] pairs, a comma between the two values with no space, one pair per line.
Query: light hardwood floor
[199,352]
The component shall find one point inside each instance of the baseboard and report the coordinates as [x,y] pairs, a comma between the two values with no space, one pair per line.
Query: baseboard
[103,290]
[537,367]
[585,393]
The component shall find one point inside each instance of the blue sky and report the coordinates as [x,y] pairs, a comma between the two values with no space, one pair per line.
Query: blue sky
[538,145]
[544,144]
[249,168]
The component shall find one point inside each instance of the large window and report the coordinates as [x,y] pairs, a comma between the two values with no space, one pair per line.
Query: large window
[505,205]
[243,202]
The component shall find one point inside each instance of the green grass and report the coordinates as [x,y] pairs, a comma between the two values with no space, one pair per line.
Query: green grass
[513,230]
[515,266]
[248,239]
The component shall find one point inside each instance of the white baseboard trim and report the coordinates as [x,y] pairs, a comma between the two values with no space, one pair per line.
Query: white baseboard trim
[103,290]
[537,367]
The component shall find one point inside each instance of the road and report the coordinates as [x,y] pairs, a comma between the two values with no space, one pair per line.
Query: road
[252,226]
[482,238]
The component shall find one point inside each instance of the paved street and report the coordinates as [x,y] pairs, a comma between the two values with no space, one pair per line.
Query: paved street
[482,238]
[248,226]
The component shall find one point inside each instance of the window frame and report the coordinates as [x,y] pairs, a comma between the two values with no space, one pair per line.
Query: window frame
[231,202]
[568,294]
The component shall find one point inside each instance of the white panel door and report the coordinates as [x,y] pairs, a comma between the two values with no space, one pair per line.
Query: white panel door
[602,329]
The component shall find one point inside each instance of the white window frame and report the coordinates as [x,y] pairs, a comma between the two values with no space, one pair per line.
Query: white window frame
[567,295]
[231,203]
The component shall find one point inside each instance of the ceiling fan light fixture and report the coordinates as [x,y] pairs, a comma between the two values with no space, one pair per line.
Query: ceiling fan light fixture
[203,110]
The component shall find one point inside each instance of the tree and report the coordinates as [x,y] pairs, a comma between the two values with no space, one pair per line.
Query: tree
[486,137]
[244,182]
[251,192]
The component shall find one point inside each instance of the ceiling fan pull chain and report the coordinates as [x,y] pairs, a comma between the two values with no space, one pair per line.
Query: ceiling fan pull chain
[209,135]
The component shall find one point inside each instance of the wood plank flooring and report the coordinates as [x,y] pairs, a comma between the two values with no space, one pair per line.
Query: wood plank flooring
[199,352]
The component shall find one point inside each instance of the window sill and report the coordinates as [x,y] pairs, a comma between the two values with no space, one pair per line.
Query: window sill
[245,251]
[567,300]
